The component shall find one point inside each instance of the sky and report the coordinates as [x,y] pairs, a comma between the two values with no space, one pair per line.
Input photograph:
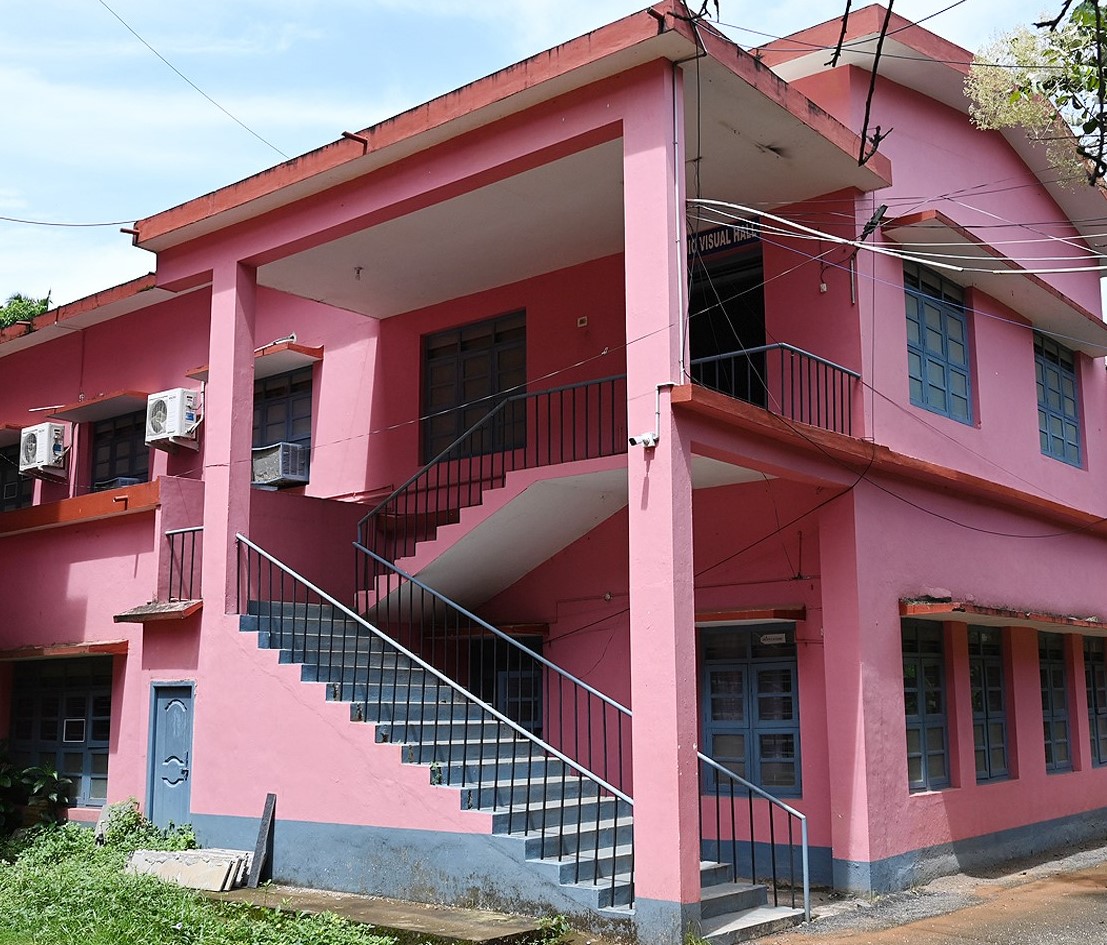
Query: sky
[100,129]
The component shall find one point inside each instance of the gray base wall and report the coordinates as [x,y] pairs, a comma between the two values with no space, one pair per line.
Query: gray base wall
[977,854]
[471,870]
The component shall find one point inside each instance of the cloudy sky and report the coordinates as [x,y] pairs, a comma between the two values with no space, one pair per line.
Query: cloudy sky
[97,129]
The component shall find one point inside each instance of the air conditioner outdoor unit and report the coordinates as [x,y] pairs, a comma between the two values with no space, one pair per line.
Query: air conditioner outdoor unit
[172,418]
[42,450]
[280,464]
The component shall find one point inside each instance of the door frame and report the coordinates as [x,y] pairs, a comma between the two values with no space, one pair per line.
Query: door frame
[155,685]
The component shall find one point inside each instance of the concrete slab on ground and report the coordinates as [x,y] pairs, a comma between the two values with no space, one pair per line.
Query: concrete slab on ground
[444,923]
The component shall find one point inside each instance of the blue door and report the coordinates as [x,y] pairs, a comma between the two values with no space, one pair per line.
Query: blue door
[170,754]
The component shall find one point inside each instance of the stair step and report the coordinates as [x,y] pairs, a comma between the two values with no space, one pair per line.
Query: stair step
[474,728]
[617,892]
[592,870]
[751,924]
[507,793]
[724,898]
[713,873]
[566,840]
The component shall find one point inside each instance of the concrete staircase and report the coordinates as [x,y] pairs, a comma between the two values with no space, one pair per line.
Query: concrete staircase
[566,826]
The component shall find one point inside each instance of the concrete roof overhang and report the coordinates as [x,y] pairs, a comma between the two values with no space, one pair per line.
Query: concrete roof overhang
[918,59]
[756,139]
[985,267]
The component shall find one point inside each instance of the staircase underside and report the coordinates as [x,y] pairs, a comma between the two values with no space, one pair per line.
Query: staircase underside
[536,521]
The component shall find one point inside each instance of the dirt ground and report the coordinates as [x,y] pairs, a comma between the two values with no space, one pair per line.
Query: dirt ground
[1061,900]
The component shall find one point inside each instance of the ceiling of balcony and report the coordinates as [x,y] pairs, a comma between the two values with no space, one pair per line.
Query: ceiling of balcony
[742,147]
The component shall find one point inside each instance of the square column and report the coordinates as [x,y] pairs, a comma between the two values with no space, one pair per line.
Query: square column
[228,427]
[662,610]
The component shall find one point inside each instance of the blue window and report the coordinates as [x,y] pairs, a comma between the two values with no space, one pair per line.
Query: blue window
[1058,414]
[989,713]
[937,344]
[1055,703]
[61,717]
[120,456]
[751,703]
[282,408]
[15,490]
[924,704]
[1095,678]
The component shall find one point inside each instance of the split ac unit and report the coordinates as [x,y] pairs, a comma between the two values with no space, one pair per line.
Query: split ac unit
[280,464]
[42,450]
[172,418]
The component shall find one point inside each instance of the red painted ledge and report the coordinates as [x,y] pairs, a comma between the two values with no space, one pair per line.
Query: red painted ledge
[858,456]
[94,507]
[968,612]
[102,648]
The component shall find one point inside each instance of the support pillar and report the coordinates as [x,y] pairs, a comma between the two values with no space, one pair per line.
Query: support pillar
[662,610]
[228,428]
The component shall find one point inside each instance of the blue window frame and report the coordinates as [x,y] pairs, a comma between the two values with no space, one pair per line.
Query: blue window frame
[282,408]
[751,703]
[1055,703]
[15,490]
[989,712]
[924,703]
[120,456]
[937,344]
[61,716]
[1095,678]
[1058,401]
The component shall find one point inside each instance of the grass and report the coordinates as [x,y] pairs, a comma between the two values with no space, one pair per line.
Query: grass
[57,886]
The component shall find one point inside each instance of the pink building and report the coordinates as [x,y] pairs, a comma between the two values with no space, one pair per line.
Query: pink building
[339,504]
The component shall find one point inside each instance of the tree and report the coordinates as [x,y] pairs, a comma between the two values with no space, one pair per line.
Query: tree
[22,308]
[1050,81]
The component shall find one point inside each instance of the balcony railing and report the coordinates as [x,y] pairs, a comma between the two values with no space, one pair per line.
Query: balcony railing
[184,562]
[785,380]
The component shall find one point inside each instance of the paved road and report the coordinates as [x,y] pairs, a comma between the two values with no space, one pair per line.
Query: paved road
[1062,903]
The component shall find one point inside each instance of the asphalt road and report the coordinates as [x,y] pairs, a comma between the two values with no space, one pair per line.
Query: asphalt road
[1060,902]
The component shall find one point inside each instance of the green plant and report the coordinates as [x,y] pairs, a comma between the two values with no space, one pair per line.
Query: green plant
[22,308]
[552,928]
[48,788]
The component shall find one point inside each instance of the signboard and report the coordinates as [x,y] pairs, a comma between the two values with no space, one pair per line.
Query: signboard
[773,639]
[719,239]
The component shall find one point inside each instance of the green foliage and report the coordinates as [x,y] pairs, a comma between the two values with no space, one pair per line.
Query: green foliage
[64,887]
[39,786]
[552,929]
[22,308]
[1049,81]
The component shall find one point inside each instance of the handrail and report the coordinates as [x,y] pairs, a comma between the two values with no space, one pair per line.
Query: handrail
[498,407]
[428,668]
[183,592]
[778,346]
[777,802]
[537,657]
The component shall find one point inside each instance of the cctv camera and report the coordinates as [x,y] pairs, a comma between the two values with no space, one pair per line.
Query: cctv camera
[645,440]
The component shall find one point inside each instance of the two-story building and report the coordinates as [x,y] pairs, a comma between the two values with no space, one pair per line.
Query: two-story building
[594,491]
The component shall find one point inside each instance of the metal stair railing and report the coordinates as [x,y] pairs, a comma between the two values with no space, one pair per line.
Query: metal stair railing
[579,421]
[576,718]
[730,792]
[404,682]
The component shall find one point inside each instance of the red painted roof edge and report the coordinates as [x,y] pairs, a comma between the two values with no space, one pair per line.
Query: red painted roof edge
[669,15]
[89,303]
[915,608]
[864,22]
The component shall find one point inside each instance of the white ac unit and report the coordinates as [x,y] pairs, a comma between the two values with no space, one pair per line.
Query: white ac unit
[280,464]
[172,418]
[42,450]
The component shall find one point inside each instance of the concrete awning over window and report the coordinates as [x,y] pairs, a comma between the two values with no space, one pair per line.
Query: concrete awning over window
[987,268]
[940,611]
[103,407]
[98,648]
[273,359]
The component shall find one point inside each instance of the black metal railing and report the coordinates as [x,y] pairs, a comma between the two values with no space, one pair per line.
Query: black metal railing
[580,721]
[561,805]
[786,380]
[185,550]
[743,825]
[526,431]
